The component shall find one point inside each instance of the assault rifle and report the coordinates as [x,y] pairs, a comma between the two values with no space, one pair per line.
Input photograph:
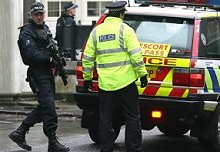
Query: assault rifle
[60,60]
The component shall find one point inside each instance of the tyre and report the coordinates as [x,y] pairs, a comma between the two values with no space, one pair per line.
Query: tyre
[93,127]
[212,144]
[173,129]
[93,131]
[94,134]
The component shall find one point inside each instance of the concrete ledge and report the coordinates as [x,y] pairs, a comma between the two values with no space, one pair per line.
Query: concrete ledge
[13,112]
[63,109]
[59,114]
[17,98]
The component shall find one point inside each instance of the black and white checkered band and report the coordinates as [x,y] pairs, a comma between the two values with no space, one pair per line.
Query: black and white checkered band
[74,6]
[37,8]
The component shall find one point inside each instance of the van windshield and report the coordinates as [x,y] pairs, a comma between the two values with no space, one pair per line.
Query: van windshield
[176,32]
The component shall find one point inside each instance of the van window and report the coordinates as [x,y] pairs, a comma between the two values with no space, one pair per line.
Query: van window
[213,38]
[177,32]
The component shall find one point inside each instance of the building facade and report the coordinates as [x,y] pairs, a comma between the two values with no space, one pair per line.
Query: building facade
[13,71]
[87,12]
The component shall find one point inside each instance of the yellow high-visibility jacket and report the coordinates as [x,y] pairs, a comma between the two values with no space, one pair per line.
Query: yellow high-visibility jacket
[115,51]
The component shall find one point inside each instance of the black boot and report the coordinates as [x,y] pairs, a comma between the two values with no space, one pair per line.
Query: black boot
[56,146]
[18,136]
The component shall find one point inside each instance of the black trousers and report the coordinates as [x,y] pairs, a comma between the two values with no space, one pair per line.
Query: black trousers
[46,110]
[127,99]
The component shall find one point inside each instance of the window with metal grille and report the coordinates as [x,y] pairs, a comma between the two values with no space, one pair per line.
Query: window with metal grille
[55,8]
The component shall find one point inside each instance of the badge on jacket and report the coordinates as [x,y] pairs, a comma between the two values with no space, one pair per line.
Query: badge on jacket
[108,37]
[27,42]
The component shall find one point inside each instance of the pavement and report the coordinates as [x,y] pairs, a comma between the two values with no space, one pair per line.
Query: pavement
[23,107]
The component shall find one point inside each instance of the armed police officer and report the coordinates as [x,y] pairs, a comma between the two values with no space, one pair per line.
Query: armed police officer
[33,44]
[66,31]
[119,62]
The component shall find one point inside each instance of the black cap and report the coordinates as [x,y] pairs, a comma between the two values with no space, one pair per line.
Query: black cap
[69,6]
[117,6]
[37,7]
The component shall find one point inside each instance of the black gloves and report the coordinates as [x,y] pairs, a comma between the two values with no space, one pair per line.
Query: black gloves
[87,85]
[144,81]
[53,63]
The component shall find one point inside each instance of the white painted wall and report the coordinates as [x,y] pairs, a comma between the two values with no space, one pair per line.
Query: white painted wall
[12,70]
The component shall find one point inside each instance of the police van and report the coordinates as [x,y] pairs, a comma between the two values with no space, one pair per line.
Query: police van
[181,50]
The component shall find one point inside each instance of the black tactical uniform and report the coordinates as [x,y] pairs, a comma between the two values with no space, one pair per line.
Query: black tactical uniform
[66,33]
[33,44]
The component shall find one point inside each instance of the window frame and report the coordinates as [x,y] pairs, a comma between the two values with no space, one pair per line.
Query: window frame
[85,14]
[60,8]
[169,20]
[204,30]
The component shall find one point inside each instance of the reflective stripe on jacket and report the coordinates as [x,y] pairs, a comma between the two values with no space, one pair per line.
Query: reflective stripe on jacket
[114,47]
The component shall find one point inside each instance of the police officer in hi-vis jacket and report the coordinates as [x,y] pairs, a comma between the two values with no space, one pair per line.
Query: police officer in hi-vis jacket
[114,47]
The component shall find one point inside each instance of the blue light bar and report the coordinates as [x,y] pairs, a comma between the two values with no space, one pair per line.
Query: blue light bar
[214,2]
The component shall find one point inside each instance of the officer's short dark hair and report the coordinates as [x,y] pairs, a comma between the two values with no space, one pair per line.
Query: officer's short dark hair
[115,14]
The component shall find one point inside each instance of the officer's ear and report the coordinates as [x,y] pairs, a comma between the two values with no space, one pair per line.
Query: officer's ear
[122,15]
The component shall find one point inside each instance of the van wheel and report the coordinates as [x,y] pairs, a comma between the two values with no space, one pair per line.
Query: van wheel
[173,129]
[94,132]
[212,144]
[93,126]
